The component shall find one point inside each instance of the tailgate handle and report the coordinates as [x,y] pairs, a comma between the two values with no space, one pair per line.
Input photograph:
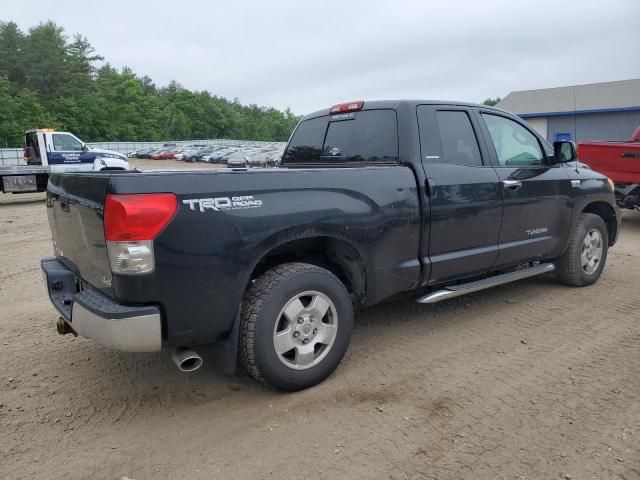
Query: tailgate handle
[630,155]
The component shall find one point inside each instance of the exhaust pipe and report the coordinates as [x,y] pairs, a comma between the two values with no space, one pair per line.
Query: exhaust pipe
[186,359]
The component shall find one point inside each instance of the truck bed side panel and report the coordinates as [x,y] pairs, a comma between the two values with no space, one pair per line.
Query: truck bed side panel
[205,256]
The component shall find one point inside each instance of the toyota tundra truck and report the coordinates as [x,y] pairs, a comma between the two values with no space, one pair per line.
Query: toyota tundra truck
[430,200]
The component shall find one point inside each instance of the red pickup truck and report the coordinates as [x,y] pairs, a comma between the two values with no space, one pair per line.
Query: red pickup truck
[620,161]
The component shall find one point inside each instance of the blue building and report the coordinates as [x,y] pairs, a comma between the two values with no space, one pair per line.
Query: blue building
[597,111]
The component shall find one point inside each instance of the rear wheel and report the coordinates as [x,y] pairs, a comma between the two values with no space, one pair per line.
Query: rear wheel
[296,326]
[584,260]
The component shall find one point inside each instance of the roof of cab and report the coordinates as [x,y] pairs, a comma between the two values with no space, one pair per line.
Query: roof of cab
[394,104]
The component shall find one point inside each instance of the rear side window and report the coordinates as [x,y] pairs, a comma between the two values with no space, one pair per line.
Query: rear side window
[370,136]
[306,144]
[458,140]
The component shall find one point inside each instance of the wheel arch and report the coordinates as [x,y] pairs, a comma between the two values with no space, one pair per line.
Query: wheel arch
[605,211]
[337,255]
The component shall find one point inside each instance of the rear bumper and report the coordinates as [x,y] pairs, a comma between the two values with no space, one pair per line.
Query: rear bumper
[94,315]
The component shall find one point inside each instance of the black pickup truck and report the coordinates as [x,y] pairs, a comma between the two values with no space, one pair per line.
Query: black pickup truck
[369,201]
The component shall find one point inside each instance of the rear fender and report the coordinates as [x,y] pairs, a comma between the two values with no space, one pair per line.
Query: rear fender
[346,249]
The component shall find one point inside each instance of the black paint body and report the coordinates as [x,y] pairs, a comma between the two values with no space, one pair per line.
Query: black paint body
[414,224]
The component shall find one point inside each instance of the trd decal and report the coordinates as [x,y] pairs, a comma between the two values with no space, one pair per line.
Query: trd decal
[220,204]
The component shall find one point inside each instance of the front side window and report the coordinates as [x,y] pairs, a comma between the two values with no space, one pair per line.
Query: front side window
[369,136]
[514,144]
[65,143]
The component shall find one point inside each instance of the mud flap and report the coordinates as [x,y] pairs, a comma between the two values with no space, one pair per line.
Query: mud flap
[226,351]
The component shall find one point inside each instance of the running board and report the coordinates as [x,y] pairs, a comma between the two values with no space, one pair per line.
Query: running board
[464,288]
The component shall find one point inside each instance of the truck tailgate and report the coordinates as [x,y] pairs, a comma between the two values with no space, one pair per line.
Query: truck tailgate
[75,208]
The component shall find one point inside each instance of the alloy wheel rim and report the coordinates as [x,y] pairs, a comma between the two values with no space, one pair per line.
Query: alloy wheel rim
[305,330]
[591,253]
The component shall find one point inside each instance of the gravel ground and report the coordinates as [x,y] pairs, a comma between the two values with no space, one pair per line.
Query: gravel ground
[532,380]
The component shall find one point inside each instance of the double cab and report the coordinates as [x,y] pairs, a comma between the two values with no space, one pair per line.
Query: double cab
[370,200]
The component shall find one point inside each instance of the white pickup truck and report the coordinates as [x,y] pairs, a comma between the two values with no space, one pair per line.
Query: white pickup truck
[46,151]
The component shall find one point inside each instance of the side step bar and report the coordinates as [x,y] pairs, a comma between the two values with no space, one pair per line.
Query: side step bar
[464,288]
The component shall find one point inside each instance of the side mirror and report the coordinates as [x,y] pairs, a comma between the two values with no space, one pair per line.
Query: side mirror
[85,148]
[564,152]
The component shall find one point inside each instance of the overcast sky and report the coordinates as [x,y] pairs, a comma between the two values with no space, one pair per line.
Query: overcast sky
[309,55]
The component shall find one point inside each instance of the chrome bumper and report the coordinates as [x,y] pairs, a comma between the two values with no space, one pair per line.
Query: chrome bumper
[94,315]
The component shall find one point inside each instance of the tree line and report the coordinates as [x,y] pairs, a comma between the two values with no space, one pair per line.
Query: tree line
[50,80]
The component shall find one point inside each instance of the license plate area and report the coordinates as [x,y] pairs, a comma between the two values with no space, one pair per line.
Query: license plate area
[20,183]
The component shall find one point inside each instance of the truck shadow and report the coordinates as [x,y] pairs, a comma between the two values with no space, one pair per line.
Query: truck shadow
[630,221]
[21,199]
[154,384]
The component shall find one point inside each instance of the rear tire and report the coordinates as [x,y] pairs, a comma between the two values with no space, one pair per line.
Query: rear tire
[296,326]
[584,260]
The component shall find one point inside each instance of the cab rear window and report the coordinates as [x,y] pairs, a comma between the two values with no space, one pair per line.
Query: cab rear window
[369,136]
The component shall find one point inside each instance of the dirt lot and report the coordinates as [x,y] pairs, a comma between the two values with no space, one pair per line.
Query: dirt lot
[527,381]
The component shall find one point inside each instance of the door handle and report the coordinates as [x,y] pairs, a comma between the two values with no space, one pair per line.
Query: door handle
[512,185]
[630,155]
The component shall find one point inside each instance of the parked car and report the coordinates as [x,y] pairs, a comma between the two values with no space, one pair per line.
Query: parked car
[620,161]
[371,200]
[237,160]
[216,153]
[263,159]
[148,153]
[165,153]
[196,154]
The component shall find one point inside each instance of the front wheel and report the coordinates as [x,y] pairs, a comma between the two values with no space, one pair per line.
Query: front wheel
[584,260]
[296,326]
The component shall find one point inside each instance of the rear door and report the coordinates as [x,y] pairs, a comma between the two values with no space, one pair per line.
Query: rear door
[465,194]
[538,200]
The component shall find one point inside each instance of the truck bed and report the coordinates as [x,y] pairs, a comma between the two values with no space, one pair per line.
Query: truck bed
[225,223]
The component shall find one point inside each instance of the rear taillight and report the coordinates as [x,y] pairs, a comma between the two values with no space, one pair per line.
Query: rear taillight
[138,216]
[347,107]
[131,222]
